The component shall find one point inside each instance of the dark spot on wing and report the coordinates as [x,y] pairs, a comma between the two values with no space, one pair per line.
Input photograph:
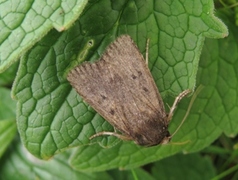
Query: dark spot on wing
[133,76]
[145,89]
[139,73]
[103,97]
[112,112]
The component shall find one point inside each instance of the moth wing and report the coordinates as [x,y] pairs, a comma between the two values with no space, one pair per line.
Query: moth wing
[120,87]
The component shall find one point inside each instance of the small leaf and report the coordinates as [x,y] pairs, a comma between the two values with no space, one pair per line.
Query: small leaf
[7,78]
[181,166]
[7,119]
[18,164]
[135,174]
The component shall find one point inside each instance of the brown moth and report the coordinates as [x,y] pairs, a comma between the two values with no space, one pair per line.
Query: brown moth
[121,89]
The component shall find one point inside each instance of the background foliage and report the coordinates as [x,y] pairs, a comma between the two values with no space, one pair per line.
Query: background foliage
[52,119]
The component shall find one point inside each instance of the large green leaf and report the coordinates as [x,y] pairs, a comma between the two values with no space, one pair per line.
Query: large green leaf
[51,116]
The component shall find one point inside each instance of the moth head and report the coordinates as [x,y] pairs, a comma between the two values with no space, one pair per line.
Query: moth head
[153,138]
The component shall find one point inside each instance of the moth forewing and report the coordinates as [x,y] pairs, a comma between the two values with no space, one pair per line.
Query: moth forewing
[120,87]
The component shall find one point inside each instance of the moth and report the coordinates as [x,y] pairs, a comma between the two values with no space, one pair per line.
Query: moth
[120,87]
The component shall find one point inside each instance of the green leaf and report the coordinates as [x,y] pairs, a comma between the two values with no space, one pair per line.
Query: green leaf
[184,167]
[8,127]
[52,116]
[18,164]
[25,22]
[8,131]
[7,78]
[222,108]
[135,174]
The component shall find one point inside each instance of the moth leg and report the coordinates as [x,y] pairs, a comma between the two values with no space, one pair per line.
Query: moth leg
[120,136]
[115,130]
[147,51]
[176,101]
[189,107]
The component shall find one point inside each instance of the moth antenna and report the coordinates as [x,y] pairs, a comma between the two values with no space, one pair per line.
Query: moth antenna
[176,101]
[120,136]
[147,51]
[189,108]
[168,105]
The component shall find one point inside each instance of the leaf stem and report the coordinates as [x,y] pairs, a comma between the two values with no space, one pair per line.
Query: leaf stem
[225,173]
